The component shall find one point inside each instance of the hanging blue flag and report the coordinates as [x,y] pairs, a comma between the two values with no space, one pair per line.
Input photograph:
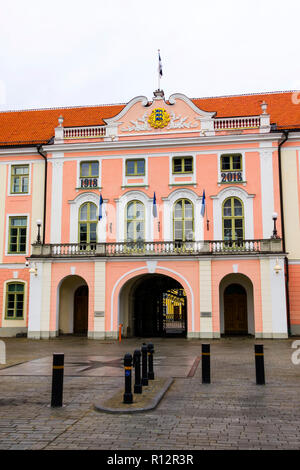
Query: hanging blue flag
[154,208]
[100,207]
[203,204]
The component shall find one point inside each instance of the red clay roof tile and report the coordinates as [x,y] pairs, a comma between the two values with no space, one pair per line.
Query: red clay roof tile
[37,126]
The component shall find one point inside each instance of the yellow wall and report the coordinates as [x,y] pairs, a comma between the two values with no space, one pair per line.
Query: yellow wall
[291,203]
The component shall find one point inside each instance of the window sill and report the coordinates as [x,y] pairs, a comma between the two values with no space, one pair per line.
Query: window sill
[15,319]
[135,185]
[16,254]
[88,189]
[232,182]
[188,183]
[136,176]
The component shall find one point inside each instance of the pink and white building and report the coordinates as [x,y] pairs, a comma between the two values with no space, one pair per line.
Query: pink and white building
[169,216]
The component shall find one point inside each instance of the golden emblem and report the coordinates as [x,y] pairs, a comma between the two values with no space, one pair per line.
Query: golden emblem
[159,118]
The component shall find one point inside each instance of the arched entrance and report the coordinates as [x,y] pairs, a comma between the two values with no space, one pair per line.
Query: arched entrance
[153,305]
[73,306]
[236,305]
[235,310]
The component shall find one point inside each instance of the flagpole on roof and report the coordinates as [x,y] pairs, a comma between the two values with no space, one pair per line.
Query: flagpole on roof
[159,69]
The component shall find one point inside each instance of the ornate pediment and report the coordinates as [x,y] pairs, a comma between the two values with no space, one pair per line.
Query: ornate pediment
[160,116]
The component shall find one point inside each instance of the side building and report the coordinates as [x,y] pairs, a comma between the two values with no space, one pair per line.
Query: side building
[168,217]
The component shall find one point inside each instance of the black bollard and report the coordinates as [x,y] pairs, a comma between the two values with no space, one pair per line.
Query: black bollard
[137,371]
[206,363]
[127,397]
[150,361]
[57,380]
[259,364]
[144,364]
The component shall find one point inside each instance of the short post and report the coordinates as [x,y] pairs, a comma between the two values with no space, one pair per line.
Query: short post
[206,363]
[127,397]
[144,364]
[259,364]
[57,380]
[137,371]
[120,332]
[150,361]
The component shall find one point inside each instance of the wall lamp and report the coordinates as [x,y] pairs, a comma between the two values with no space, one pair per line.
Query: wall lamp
[277,267]
[32,268]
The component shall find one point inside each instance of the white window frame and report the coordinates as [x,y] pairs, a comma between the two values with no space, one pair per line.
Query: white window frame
[28,235]
[235,152]
[82,198]
[21,163]
[125,178]
[78,179]
[169,202]
[247,200]
[6,321]
[192,175]
[121,214]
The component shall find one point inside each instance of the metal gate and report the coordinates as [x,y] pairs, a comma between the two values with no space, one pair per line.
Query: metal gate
[160,308]
[173,313]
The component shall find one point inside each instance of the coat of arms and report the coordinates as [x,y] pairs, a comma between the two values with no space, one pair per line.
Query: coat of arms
[159,118]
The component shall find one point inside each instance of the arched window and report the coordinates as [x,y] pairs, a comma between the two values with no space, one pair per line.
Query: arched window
[233,219]
[88,223]
[135,221]
[183,218]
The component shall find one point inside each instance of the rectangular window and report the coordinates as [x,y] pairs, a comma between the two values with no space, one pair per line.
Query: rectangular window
[89,174]
[89,169]
[19,179]
[14,301]
[183,165]
[135,167]
[17,235]
[231,162]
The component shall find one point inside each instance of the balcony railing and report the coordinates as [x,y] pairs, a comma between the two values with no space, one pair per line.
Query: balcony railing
[224,124]
[164,248]
[92,132]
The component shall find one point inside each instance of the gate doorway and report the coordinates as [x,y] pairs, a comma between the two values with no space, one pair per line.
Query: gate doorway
[159,307]
[235,310]
[81,310]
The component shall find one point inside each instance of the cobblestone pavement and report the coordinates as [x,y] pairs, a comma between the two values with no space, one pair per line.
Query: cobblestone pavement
[230,413]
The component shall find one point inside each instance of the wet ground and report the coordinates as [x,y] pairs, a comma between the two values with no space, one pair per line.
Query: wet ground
[230,413]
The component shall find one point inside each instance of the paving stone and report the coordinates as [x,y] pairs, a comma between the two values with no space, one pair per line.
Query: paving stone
[230,413]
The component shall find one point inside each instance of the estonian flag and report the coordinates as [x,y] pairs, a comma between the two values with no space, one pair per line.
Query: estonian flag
[100,207]
[159,65]
[154,207]
[203,204]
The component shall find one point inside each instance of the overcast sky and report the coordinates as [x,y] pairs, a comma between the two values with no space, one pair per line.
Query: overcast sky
[71,52]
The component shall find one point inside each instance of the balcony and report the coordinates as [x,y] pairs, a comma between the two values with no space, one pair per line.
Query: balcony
[166,248]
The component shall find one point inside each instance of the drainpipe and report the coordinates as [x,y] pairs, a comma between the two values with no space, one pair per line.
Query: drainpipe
[45,190]
[286,263]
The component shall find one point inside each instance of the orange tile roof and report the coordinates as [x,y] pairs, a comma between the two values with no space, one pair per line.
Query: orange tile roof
[283,111]
[31,127]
